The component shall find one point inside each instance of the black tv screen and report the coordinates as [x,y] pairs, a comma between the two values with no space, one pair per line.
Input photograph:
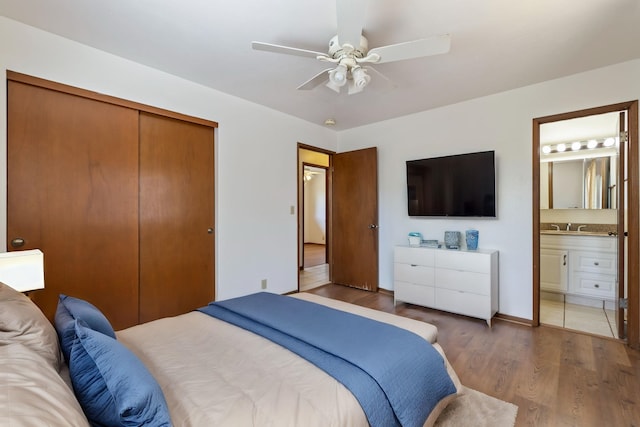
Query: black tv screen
[462,185]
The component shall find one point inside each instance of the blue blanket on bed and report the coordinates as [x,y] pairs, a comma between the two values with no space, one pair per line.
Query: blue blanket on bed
[396,376]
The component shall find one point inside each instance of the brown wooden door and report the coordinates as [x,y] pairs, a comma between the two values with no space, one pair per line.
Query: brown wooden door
[176,216]
[73,193]
[355,219]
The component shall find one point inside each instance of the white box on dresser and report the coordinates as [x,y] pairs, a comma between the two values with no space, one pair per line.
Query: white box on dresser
[459,281]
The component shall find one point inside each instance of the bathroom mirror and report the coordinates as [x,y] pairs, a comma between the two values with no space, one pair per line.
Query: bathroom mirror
[578,162]
[579,183]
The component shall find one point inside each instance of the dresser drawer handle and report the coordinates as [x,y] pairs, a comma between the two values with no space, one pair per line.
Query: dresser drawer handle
[596,285]
[596,263]
[413,265]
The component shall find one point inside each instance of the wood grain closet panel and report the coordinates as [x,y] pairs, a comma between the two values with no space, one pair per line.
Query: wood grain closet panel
[72,192]
[176,213]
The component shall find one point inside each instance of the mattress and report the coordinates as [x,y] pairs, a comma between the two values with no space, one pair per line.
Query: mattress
[213,373]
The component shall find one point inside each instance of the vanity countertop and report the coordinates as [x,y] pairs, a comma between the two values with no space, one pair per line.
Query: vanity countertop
[586,229]
[577,233]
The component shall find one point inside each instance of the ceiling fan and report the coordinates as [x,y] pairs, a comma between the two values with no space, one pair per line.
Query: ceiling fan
[349,51]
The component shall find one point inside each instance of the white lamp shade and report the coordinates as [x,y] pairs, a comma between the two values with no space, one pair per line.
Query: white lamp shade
[22,270]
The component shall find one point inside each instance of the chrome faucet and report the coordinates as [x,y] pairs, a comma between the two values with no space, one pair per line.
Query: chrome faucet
[555,226]
[568,226]
[580,227]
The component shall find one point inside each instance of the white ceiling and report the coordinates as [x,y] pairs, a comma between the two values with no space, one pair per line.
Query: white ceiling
[580,129]
[496,45]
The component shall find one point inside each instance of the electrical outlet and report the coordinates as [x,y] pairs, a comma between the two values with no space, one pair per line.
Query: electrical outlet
[263,283]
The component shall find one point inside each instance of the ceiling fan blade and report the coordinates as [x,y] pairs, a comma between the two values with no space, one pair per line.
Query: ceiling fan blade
[268,47]
[387,83]
[376,72]
[316,80]
[414,49]
[350,16]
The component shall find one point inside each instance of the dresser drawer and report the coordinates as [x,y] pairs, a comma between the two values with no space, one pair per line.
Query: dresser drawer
[416,256]
[459,281]
[464,303]
[597,285]
[467,261]
[594,262]
[412,273]
[414,294]
[467,281]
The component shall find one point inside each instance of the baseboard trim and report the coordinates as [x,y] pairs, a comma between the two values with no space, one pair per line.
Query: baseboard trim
[505,317]
[514,319]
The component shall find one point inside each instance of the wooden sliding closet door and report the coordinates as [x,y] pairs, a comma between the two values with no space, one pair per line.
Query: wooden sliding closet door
[73,193]
[176,216]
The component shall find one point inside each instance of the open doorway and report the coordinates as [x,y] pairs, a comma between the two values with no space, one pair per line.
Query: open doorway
[579,193]
[313,240]
[351,216]
[584,239]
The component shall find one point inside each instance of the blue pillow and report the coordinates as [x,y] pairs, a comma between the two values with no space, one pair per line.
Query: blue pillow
[112,385]
[69,309]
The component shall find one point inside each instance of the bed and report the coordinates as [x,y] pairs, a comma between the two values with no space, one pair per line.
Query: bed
[196,369]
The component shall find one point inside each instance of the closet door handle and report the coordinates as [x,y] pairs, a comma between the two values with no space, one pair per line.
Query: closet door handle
[564,259]
[210,230]
[17,242]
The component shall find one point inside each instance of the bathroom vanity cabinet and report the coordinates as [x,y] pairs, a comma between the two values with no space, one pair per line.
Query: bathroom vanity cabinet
[579,265]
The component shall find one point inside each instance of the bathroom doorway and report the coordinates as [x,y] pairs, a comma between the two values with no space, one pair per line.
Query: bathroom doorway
[313,247]
[584,207]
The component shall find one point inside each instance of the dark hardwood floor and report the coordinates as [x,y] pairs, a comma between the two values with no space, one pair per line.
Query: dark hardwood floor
[556,377]
[314,254]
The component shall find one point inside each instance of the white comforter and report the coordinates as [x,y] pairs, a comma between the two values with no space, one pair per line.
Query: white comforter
[215,374]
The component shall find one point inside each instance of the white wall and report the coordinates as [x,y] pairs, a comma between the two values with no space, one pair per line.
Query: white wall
[501,122]
[315,209]
[256,234]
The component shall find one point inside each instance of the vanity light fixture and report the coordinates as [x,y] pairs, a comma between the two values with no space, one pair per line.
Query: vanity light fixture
[580,145]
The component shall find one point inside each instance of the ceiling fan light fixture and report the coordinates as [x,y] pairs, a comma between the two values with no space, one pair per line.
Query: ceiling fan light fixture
[360,77]
[359,80]
[337,77]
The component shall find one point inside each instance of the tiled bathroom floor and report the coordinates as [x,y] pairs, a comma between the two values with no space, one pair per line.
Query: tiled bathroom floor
[578,317]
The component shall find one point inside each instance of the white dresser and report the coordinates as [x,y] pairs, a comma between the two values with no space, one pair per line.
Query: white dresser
[459,281]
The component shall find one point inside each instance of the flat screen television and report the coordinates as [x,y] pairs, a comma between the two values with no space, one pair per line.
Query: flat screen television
[462,185]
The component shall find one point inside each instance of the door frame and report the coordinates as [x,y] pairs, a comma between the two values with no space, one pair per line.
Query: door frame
[633,213]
